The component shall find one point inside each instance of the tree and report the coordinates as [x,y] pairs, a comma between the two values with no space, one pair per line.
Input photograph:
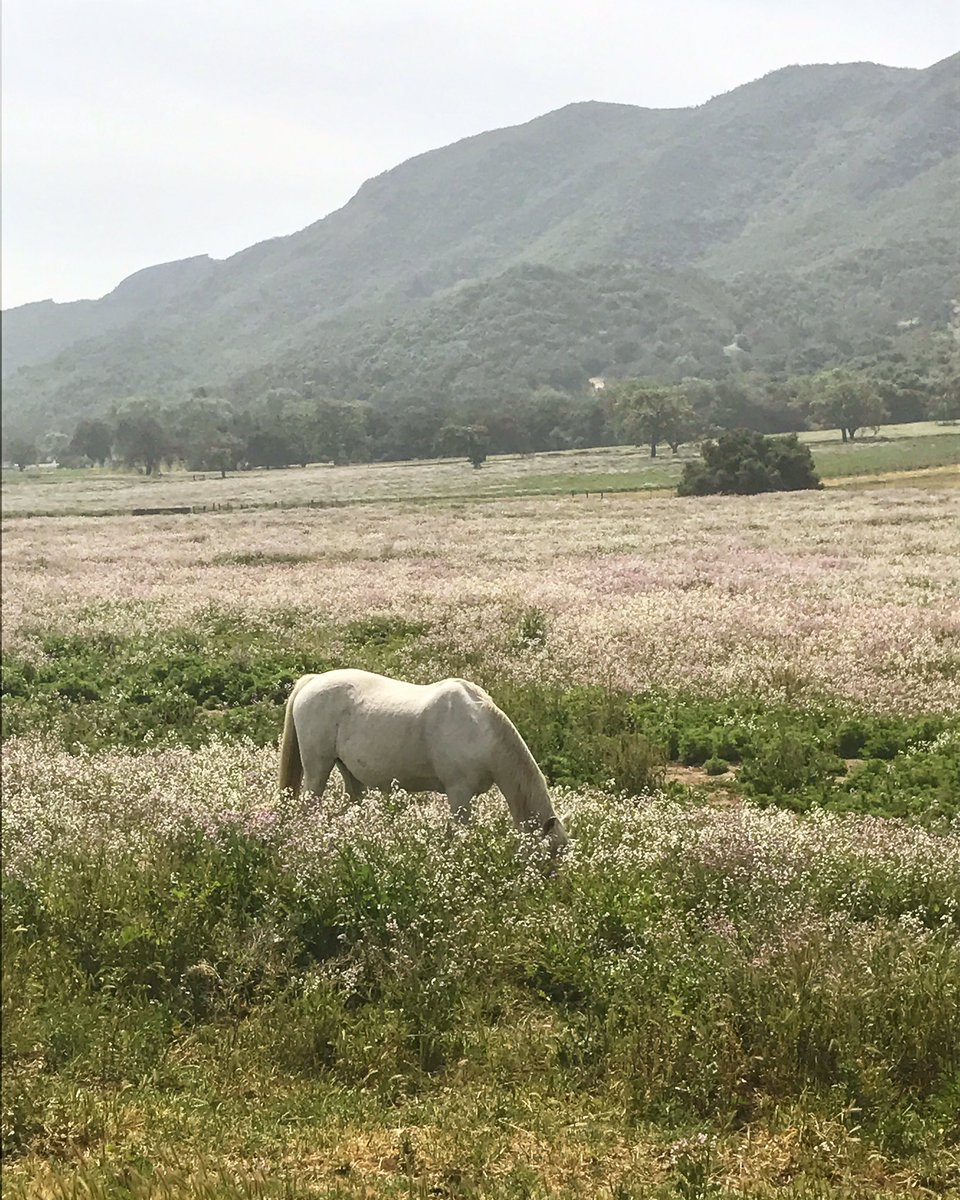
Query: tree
[478,443]
[741,462]
[650,413]
[53,445]
[93,439]
[141,439]
[945,401]
[21,451]
[206,433]
[341,431]
[473,441]
[222,451]
[267,446]
[846,400]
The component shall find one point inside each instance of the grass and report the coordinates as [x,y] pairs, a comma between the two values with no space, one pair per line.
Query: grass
[748,987]
[610,469]
[695,1000]
[182,687]
[873,456]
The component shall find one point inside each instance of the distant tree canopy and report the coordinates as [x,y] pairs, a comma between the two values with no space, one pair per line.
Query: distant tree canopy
[92,439]
[21,451]
[846,400]
[282,426]
[142,441]
[741,462]
[472,441]
[647,413]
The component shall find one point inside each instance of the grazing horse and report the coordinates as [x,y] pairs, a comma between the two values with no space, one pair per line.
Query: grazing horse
[438,737]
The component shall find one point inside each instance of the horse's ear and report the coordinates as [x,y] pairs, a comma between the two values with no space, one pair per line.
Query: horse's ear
[548,825]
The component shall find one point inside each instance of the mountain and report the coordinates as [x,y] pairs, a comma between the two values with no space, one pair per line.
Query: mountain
[806,213]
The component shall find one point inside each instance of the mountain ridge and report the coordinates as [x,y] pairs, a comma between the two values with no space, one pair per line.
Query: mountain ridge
[802,171]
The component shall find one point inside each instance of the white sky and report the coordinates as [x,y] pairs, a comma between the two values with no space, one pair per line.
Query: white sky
[141,131]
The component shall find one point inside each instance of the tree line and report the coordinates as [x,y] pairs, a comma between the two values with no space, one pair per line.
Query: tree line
[285,426]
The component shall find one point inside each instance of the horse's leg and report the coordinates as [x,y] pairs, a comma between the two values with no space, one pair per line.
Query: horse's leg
[315,776]
[355,788]
[461,804]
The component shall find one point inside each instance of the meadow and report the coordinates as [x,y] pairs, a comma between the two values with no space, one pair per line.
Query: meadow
[923,446]
[743,979]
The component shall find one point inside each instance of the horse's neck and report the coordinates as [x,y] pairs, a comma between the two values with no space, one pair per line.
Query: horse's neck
[518,777]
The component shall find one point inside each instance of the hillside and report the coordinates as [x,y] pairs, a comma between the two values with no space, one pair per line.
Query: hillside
[807,212]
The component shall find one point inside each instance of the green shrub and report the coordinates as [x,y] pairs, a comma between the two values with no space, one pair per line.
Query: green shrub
[742,462]
[695,746]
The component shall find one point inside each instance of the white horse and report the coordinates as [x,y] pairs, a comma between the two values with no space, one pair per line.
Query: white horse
[439,737]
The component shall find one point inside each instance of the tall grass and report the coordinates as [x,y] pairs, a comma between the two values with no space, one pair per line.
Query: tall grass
[681,968]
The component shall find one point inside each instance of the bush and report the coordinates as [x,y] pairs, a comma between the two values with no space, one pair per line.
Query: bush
[742,463]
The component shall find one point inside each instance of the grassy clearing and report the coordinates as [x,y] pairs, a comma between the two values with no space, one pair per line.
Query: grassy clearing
[877,456]
[609,469]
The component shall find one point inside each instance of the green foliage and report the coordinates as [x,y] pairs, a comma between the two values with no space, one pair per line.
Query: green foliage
[92,439]
[142,441]
[741,462]
[677,988]
[198,990]
[470,440]
[650,414]
[21,451]
[846,400]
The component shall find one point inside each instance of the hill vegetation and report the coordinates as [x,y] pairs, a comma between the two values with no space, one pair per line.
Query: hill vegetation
[795,223]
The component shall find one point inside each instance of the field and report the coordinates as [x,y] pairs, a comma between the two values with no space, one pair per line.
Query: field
[742,980]
[923,447]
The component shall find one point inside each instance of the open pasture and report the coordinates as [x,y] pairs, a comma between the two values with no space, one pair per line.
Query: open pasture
[746,988]
[924,445]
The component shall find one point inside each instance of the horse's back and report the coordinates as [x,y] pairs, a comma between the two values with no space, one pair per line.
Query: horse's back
[366,689]
[383,729]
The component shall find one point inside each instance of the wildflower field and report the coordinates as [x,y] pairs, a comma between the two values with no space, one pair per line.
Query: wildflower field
[742,980]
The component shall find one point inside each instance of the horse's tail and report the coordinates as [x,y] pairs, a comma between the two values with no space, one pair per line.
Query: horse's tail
[291,765]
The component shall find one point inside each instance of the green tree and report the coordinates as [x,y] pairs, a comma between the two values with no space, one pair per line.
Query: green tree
[649,413]
[742,462]
[473,441]
[846,400]
[945,391]
[341,431]
[223,452]
[478,443]
[53,445]
[141,439]
[21,451]
[266,445]
[93,439]
[206,433]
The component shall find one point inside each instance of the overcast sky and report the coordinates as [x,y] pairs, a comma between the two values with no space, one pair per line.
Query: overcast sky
[141,131]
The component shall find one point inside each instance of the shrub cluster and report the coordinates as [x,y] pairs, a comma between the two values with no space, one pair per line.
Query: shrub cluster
[742,462]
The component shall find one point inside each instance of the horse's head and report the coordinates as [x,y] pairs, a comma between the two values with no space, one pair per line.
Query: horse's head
[555,834]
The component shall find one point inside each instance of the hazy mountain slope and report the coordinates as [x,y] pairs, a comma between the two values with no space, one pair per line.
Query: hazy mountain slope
[837,181]
[38,332]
